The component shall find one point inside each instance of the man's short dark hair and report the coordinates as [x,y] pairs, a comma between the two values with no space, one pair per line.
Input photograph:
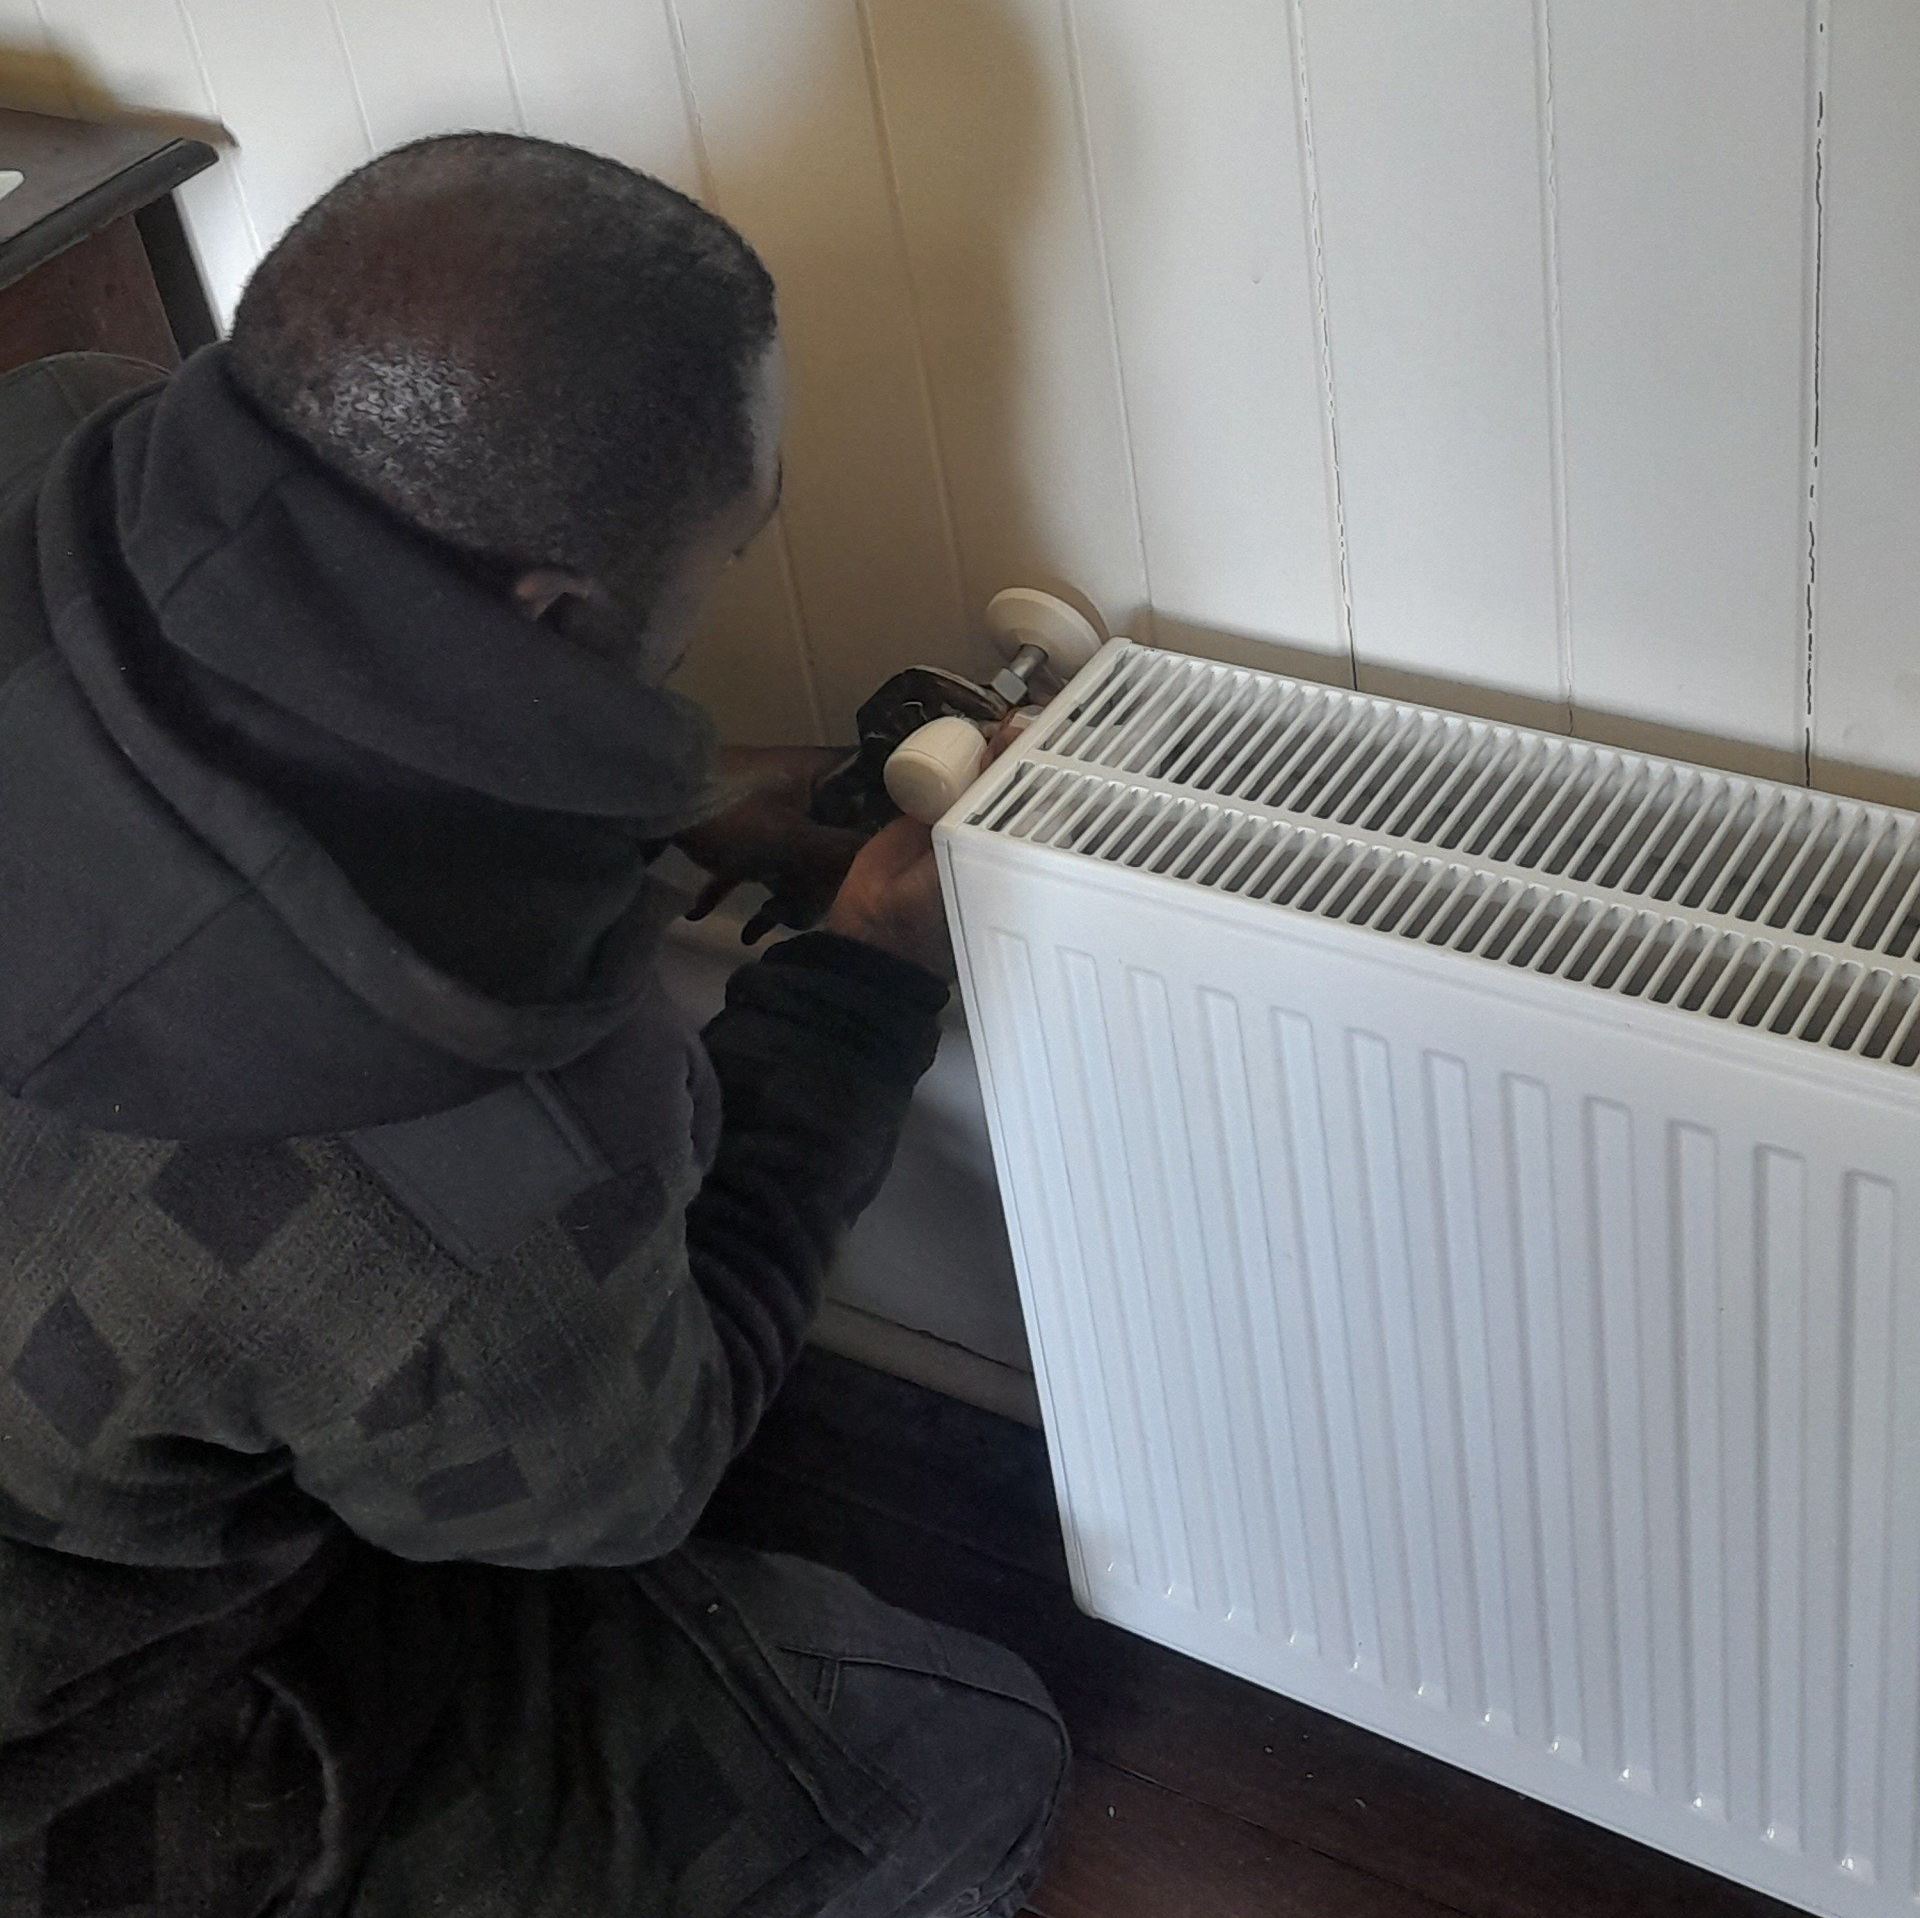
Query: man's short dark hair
[534,354]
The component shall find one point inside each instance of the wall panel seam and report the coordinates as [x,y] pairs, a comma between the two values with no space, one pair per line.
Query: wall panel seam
[230,161]
[789,579]
[923,371]
[1323,331]
[1820,62]
[1076,80]
[353,77]
[1556,371]
[50,42]
[505,44]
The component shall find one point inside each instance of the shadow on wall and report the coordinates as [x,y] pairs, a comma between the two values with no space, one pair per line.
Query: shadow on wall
[37,79]
[871,520]
[1873,783]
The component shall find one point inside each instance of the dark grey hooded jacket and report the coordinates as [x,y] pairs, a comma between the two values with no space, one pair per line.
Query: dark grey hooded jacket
[357,1187]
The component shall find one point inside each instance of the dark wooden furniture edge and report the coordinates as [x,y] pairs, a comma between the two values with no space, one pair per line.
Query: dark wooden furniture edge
[132,188]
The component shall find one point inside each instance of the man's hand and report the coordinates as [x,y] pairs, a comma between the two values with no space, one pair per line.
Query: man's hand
[765,837]
[891,899]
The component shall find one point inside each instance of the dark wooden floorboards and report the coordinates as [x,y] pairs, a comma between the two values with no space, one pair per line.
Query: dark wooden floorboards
[1196,1795]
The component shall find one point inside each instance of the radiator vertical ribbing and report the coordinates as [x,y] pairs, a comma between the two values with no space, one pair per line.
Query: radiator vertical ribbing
[1479,1299]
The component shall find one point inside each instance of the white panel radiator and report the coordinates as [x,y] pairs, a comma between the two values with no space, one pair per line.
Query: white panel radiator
[1464,1185]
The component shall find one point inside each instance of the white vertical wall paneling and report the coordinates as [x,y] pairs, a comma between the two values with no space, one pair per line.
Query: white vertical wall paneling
[1098,362]
[29,69]
[430,66]
[750,664]
[280,77]
[1682,147]
[781,91]
[1866,731]
[21,26]
[1426,134]
[146,54]
[981,122]
[137,51]
[600,73]
[1191,125]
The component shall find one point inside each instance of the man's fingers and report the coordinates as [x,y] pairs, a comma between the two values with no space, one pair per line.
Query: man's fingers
[768,919]
[891,898]
[714,893]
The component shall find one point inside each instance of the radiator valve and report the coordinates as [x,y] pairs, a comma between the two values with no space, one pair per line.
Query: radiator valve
[921,738]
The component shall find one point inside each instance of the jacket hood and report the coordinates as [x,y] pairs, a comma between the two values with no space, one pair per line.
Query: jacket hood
[262,706]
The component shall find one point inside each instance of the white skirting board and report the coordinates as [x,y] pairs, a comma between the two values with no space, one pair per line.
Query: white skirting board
[935,1363]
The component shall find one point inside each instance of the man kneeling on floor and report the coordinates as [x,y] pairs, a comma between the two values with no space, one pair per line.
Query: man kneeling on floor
[385,1278]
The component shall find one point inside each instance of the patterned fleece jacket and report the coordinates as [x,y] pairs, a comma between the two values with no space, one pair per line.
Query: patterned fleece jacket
[361,1201]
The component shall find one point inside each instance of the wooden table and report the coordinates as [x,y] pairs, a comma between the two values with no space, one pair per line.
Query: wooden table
[89,240]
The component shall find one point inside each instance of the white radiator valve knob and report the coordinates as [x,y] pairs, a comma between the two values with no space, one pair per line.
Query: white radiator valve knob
[930,769]
[1023,619]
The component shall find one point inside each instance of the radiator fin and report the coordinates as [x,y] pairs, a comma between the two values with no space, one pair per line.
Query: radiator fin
[1771,855]
[1788,912]
[1849,1003]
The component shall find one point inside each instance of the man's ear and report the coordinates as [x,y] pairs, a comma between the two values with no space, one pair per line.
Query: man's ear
[538,592]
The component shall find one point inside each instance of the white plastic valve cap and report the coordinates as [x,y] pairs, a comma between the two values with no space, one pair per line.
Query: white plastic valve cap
[932,768]
[1025,616]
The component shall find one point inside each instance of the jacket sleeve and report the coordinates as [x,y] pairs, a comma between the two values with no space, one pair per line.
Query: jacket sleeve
[578,1398]
[817,1054]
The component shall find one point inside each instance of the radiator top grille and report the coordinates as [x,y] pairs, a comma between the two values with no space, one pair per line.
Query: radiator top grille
[1731,898]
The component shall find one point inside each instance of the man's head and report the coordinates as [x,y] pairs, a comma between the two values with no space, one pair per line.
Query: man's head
[557,366]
